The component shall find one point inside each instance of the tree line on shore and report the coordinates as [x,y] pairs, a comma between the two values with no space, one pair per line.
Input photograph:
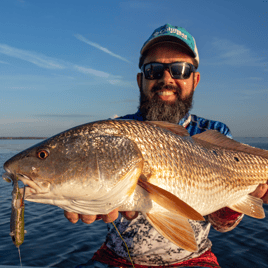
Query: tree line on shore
[22,138]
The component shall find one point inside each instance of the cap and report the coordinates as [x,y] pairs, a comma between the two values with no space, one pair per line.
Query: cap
[174,34]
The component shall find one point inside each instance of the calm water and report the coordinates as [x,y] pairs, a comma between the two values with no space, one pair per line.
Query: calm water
[52,241]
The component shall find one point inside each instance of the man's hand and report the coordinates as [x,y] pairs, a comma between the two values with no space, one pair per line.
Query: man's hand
[88,219]
[261,192]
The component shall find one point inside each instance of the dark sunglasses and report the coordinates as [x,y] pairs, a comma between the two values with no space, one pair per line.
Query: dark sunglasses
[177,70]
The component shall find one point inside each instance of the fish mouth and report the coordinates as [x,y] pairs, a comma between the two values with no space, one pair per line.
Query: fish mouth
[30,185]
[33,188]
[8,177]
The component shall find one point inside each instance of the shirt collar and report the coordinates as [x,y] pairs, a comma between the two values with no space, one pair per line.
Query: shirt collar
[185,120]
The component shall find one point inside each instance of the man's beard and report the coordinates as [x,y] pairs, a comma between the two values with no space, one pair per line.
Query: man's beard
[153,108]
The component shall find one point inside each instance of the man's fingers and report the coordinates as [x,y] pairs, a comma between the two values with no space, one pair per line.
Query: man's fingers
[87,218]
[112,216]
[265,198]
[74,217]
[71,216]
[261,192]
[130,215]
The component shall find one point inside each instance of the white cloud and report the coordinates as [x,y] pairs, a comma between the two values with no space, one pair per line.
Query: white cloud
[255,78]
[33,57]
[125,101]
[64,115]
[112,79]
[91,71]
[83,39]
[3,62]
[11,121]
[230,53]
[254,91]
[50,63]
[16,88]
[119,82]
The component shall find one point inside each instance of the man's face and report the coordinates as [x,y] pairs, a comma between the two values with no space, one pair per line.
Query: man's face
[166,99]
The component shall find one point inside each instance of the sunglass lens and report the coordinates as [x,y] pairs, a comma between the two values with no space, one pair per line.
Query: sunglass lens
[180,71]
[153,71]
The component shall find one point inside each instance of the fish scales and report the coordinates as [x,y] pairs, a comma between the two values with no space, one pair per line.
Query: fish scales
[203,169]
[143,166]
[206,173]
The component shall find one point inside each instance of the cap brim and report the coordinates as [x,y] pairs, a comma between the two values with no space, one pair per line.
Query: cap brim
[167,38]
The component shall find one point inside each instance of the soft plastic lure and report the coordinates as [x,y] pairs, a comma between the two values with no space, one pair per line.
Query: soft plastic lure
[17,215]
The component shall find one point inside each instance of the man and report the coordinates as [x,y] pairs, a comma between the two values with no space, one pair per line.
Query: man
[168,78]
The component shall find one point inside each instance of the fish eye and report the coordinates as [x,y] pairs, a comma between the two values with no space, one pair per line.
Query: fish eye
[43,154]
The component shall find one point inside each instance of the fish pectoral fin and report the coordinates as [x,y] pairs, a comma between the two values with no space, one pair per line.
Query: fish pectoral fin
[169,201]
[175,228]
[251,206]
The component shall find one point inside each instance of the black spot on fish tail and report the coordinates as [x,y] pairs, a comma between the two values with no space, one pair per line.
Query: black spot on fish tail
[236,159]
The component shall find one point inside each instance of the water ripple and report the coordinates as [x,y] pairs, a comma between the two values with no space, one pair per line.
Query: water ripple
[53,241]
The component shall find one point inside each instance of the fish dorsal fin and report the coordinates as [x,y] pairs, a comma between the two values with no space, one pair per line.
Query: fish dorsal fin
[212,138]
[251,206]
[176,129]
[169,201]
[175,228]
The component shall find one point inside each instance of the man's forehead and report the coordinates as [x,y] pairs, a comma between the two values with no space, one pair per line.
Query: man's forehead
[167,51]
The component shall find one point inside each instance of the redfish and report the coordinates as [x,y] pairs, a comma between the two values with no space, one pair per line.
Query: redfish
[152,167]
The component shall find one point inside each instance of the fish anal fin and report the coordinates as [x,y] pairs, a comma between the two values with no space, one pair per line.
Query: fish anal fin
[176,129]
[249,205]
[212,138]
[169,201]
[175,228]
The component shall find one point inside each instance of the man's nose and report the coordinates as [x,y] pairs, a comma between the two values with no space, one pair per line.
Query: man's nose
[166,78]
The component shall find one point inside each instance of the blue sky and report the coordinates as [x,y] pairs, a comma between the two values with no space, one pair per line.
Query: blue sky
[64,63]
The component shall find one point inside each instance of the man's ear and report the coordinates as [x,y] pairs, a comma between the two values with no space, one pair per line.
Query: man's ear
[196,79]
[139,80]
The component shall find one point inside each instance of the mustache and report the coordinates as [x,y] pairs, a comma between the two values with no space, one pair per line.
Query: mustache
[157,88]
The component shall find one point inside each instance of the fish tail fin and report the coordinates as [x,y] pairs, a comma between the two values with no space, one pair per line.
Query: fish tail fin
[249,205]
[175,228]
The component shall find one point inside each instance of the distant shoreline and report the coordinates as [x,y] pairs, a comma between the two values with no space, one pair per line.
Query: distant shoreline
[43,138]
[23,138]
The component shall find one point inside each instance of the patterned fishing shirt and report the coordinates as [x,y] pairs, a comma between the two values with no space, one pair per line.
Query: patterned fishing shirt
[145,244]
